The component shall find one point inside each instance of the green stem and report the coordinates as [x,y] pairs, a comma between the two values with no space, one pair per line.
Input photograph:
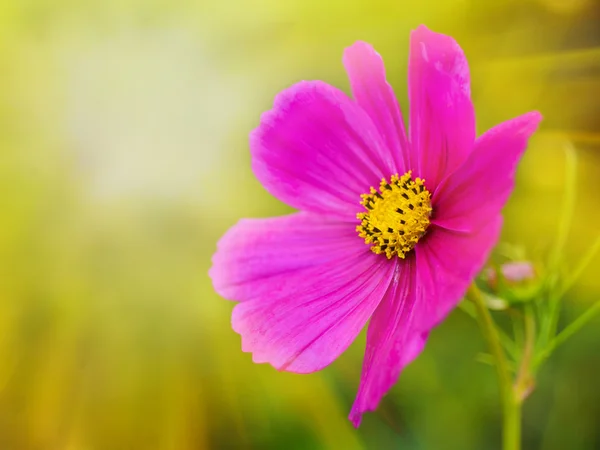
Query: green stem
[557,254]
[524,382]
[505,340]
[511,433]
[580,268]
[511,404]
[569,331]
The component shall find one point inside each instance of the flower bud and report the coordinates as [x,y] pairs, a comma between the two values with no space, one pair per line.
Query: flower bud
[513,272]
[512,282]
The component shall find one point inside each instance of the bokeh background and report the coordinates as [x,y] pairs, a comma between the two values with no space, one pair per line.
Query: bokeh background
[124,157]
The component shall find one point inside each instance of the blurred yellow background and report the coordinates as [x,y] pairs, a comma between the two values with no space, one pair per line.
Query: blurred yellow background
[124,157]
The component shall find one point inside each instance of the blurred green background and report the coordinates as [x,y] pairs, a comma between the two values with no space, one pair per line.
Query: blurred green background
[124,157]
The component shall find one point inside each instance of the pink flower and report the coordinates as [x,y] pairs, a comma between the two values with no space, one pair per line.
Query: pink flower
[401,255]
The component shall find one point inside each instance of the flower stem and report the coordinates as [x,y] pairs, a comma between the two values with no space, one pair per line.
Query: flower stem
[569,331]
[524,383]
[511,430]
[511,403]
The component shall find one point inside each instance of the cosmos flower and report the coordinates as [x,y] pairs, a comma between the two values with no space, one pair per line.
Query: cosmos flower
[392,228]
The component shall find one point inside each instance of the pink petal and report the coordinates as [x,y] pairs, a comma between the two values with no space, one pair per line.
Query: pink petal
[424,290]
[374,94]
[308,287]
[392,340]
[447,263]
[442,120]
[256,256]
[317,150]
[478,190]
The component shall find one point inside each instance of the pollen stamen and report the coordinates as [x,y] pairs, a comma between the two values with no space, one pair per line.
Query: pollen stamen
[396,216]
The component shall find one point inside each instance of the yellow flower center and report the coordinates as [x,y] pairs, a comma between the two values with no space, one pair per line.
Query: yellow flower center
[397,216]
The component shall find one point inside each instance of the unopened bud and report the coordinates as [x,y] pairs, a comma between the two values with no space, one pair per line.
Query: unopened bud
[513,273]
[514,282]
